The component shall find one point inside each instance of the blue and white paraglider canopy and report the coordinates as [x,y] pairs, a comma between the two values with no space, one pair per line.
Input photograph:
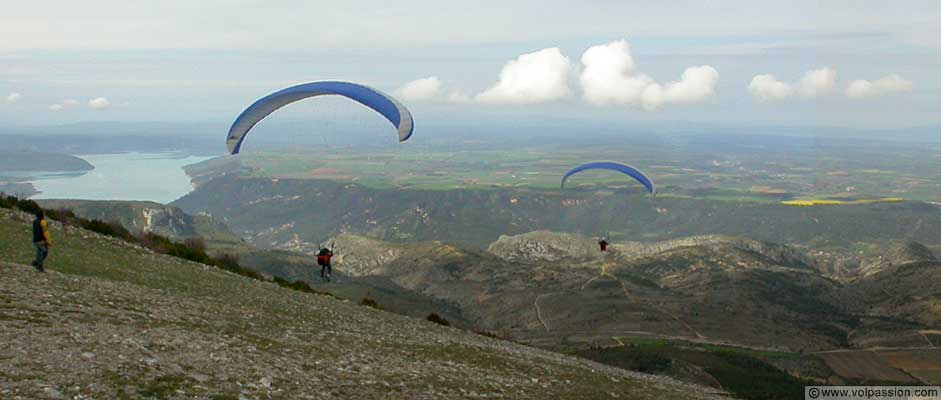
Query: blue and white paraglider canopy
[380,102]
[614,166]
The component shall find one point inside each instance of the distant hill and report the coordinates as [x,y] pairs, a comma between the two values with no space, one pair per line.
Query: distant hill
[25,160]
[112,320]
[298,213]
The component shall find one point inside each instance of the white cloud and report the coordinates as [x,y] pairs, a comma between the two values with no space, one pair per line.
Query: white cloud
[14,97]
[457,96]
[609,77]
[815,83]
[99,103]
[531,78]
[56,107]
[69,102]
[818,82]
[420,89]
[431,89]
[767,88]
[861,89]
[696,84]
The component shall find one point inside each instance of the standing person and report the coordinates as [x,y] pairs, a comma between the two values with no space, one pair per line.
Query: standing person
[41,240]
[603,243]
[323,259]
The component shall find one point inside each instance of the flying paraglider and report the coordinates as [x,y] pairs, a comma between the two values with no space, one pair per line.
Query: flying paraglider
[380,102]
[614,166]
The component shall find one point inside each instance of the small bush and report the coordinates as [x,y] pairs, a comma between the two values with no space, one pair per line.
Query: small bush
[107,229]
[366,301]
[12,202]
[490,334]
[195,243]
[7,201]
[28,206]
[227,261]
[164,245]
[64,216]
[296,285]
[437,319]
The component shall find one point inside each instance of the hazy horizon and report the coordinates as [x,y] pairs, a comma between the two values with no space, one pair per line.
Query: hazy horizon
[841,64]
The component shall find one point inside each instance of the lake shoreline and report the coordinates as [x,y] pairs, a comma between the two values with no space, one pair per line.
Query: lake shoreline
[158,177]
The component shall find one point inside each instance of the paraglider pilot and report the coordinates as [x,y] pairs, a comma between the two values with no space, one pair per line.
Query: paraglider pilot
[323,260]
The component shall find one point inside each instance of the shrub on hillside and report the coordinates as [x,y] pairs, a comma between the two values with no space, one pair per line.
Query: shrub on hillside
[107,228]
[366,301]
[433,317]
[12,202]
[490,334]
[196,243]
[8,202]
[64,216]
[164,245]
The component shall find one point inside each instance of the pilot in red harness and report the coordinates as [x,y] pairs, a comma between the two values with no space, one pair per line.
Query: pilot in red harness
[323,260]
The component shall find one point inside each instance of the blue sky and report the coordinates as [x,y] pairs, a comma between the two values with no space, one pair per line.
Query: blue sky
[184,61]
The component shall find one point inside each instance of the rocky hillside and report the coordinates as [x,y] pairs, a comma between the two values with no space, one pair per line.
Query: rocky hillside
[545,246]
[896,254]
[110,320]
[553,288]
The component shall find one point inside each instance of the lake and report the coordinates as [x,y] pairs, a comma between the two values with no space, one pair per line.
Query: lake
[126,176]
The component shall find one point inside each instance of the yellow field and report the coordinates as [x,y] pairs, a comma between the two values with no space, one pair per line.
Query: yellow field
[823,202]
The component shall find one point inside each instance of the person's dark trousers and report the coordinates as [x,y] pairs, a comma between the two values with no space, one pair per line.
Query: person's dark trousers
[326,268]
[42,251]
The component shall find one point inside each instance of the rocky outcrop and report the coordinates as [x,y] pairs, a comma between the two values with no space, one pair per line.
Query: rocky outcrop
[544,246]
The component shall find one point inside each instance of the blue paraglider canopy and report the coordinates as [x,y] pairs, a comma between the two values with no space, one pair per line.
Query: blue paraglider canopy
[380,102]
[614,166]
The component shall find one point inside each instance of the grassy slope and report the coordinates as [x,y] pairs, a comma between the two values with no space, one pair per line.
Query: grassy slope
[111,320]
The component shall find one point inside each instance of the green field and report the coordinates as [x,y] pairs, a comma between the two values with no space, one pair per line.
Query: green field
[773,170]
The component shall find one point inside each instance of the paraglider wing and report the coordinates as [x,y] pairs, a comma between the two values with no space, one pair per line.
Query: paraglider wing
[614,166]
[384,104]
